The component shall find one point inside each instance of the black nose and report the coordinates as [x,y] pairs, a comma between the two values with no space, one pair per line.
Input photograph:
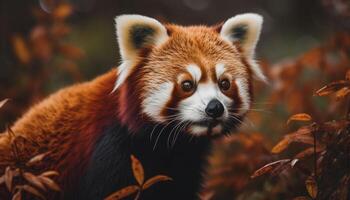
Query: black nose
[214,108]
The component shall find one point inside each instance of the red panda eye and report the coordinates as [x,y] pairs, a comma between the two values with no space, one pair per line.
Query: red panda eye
[224,84]
[187,86]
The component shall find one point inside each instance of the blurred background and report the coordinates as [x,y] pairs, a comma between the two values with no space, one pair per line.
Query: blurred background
[49,44]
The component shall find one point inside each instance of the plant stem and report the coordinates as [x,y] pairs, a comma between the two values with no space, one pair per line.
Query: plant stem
[315,160]
[138,195]
[348,110]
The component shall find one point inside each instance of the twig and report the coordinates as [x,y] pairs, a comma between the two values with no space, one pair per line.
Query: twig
[315,158]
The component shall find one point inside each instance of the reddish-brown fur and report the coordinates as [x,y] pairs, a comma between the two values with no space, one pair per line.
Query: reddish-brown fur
[68,123]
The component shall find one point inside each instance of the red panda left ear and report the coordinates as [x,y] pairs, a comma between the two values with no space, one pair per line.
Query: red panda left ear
[244,29]
[134,33]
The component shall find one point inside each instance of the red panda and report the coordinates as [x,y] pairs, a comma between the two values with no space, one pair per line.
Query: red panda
[175,89]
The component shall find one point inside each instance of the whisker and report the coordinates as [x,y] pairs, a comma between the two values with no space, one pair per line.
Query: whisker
[179,132]
[174,128]
[155,144]
[235,117]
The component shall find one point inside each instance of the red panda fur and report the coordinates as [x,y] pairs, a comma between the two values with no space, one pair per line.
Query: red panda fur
[69,123]
[66,124]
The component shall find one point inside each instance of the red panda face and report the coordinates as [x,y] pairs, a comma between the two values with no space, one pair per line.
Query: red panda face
[197,77]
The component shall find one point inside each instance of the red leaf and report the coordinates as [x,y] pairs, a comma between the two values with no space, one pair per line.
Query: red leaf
[34,180]
[49,173]
[62,11]
[155,179]
[269,167]
[122,193]
[49,183]
[71,51]
[311,186]
[308,152]
[17,196]
[347,76]
[299,117]
[332,87]
[8,178]
[21,49]
[281,146]
[3,102]
[342,93]
[36,159]
[137,169]
[302,135]
[32,191]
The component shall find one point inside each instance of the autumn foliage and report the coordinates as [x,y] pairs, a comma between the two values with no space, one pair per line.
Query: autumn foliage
[295,143]
[142,185]
[310,162]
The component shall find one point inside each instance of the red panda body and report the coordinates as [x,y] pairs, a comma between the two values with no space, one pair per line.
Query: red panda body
[144,108]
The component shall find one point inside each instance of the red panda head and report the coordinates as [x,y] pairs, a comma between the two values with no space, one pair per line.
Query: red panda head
[197,76]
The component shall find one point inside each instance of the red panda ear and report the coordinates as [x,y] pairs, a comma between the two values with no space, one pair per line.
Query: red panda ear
[244,29]
[134,33]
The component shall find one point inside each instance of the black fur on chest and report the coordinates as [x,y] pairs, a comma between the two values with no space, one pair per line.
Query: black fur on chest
[110,167]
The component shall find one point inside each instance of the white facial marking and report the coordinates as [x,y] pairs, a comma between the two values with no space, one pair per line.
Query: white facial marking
[193,107]
[243,94]
[198,130]
[202,130]
[217,129]
[156,100]
[219,70]
[195,72]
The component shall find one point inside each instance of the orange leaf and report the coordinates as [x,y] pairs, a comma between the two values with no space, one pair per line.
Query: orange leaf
[299,117]
[62,11]
[17,196]
[2,178]
[49,173]
[42,46]
[155,179]
[34,180]
[269,167]
[137,169]
[21,49]
[280,146]
[311,187]
[59,30]
[302,135]
[32,191]
[207,196]
[309,151]
[342,93]
[71,51]
[334,125]
[3,102]
[36,159]
[127,191]
[8,178]
[347,76]
[49,183]
[332,87]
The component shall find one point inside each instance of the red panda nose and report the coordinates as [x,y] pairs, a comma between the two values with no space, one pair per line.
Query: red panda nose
[214,108]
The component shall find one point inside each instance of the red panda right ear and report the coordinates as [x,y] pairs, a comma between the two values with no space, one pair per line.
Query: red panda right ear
[244,29]
[134,33]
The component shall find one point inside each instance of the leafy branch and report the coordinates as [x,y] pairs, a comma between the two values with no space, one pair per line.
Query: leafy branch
[142,185]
